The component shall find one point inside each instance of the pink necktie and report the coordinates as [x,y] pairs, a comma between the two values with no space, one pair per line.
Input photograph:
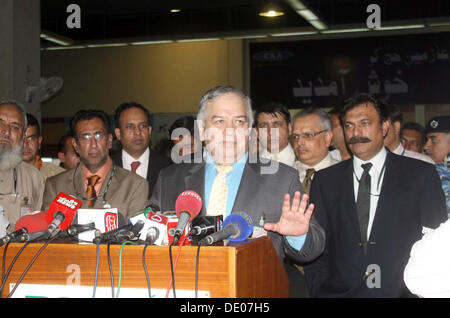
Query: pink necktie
[134,166]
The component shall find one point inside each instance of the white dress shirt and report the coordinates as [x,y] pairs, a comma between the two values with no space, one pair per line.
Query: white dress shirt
[324,163]
[143,159]
[336,154]
[427,272]
[286,156]
[401,151]
[376,180]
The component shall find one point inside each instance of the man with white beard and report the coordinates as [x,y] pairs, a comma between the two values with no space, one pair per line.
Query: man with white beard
[21,184]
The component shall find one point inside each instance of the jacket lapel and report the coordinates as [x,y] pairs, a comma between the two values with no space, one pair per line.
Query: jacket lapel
[113,187]
[349,200]
[247,190]
[195,181]
[389,191]
[78,181]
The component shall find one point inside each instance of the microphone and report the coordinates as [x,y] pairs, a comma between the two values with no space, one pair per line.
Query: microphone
[33,226]
[75,229]
[111,235]
[13,236]
[237,227]
[205,225]
[153,220]
[128,236]
[62,211]
[152,235]
[187,207]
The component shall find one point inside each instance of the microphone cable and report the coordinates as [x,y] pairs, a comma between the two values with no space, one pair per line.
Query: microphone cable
[111,274]
[96,268]
[5,276]
[196,271]
[173,268]
[120,264]
[4,260]
[145,271]
[33,260]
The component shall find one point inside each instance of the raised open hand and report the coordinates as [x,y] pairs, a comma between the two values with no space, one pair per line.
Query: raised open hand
[294,220]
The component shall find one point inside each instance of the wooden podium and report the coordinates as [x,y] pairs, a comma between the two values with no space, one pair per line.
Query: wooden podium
[249,269]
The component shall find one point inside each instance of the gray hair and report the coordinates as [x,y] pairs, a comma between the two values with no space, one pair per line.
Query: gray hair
[217,92]
[324,117]
[19,106]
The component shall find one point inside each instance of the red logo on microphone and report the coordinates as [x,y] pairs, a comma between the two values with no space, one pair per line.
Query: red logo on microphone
[110,221]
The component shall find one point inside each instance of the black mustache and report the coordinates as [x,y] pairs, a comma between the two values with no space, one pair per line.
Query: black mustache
[356,140]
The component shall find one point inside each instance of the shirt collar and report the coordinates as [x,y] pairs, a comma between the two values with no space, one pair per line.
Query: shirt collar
[102,172]
[377,163]
[324,163]
[128,159]
[210,162]
[400,150]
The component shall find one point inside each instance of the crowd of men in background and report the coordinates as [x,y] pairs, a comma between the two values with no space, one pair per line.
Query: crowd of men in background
[312,144]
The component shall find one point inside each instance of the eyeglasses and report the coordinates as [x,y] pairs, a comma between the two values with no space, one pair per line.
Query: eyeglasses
[88,137]
[306,135]
[413,143]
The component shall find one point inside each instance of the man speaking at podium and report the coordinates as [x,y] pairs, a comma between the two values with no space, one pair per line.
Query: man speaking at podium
[231,180]
[96,180]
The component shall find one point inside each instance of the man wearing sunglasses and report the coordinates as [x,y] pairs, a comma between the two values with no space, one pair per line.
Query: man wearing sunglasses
[97,181]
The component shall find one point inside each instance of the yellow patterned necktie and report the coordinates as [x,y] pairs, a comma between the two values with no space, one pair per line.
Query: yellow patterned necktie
[218,198]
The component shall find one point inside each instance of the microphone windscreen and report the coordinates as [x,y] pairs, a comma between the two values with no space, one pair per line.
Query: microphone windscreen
[33,222]
[243,222]
[65,204]
[190,202]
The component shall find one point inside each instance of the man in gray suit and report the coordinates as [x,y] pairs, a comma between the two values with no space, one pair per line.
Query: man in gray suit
[97,181]
[263,191]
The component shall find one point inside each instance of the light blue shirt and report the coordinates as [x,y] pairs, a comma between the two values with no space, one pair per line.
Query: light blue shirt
[296,241]
[233,179]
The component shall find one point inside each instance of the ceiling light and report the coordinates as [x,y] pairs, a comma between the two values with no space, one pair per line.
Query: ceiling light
[438,24]
[175,10]
[293,33]
[55,38]
[345,30]
[318,24]
[198,40]
[238,37]
[401,27]
[307,14]
[271,14]
[296,4]
[107,45]
[151,42]
[53,48]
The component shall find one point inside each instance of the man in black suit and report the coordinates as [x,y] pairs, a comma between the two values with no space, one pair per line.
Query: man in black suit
[263,191]
[133,129]
[372,208]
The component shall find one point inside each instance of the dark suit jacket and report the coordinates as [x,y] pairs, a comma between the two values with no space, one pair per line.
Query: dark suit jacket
[258,193]
[411,198]
[156,162]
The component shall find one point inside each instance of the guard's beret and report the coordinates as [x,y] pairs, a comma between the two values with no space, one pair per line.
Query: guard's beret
[438,124]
